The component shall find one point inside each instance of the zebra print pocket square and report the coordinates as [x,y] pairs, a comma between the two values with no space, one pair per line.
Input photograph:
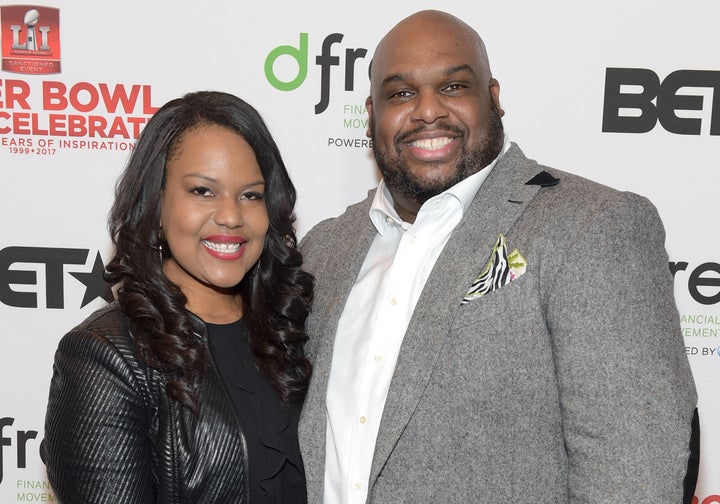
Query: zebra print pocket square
[500,270]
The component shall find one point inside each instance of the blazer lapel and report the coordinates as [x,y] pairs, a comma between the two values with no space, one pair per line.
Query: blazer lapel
[500,201]
[330,299]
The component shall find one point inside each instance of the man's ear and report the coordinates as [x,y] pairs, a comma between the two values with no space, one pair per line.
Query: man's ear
[368,107]
[495,94]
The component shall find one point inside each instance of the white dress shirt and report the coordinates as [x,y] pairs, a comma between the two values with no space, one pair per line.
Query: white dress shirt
[372,327]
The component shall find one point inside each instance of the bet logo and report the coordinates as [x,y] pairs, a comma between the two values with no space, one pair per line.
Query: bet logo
[636,99]
[14,274]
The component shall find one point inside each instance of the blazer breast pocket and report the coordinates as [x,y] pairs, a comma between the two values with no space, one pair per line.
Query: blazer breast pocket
[494,307]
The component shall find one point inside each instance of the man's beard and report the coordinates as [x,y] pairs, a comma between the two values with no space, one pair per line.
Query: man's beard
[396,172]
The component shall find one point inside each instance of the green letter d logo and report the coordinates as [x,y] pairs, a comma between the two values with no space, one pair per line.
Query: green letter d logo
[300,56]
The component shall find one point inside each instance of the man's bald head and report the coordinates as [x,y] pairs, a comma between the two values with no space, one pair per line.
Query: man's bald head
[427,25]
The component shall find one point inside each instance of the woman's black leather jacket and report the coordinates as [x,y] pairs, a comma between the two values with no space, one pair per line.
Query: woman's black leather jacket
[112,435]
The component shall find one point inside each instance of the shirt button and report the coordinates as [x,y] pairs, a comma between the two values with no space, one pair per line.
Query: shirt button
[358,486]
[363,419]
[378,359]
[393,301]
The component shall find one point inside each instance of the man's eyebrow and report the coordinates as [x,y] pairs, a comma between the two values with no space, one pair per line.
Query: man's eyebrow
[398,77]
[393,78]
[460,68]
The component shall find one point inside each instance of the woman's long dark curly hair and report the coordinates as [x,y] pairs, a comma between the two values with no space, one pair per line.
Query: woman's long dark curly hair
[276,292]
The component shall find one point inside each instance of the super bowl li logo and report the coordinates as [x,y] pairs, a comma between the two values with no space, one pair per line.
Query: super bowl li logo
[30,39]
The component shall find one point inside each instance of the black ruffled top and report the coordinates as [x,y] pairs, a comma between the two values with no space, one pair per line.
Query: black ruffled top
[270,427]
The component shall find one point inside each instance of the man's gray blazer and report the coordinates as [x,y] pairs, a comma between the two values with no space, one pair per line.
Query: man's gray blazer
[569,384]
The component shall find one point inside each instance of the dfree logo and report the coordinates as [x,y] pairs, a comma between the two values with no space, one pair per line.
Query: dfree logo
[14,438]
[30,37]
[703,280]
[636,99]
[703,285]
[54,260]
[325,60]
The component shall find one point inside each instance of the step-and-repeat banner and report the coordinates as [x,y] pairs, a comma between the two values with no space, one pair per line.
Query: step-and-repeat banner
[625,93]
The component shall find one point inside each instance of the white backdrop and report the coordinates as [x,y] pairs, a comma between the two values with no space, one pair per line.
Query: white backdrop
[551,59]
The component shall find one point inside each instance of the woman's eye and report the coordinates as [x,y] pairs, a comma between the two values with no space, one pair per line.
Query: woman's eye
[253,195]
[201,191]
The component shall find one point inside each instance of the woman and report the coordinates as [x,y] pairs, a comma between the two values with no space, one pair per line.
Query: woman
[187,388]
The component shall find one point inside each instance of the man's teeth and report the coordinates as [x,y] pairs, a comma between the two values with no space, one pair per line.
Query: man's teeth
[431,143]
[225,248]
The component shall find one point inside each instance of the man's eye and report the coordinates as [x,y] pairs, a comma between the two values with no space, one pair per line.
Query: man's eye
[403,93]
[455,86]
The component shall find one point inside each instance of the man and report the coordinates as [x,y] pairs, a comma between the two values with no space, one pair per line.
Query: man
[487,329]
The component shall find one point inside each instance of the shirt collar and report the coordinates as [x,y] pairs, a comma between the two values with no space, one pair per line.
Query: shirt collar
[383,213]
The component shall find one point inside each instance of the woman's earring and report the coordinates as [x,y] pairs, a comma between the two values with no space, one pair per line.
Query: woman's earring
[160,240]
